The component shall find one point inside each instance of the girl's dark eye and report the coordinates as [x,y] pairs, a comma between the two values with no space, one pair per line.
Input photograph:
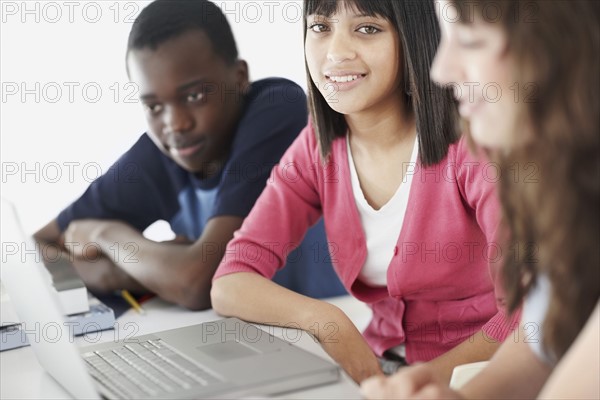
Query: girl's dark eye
[368,30]
[318,28]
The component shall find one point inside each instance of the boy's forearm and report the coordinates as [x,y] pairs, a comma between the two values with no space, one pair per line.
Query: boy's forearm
[179,273]
[103,276]
[167,269]
[111,255]
[98,272]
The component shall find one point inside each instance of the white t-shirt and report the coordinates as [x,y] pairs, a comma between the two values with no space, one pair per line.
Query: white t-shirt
[382,227]
[535,309]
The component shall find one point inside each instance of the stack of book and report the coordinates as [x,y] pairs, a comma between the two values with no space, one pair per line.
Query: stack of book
[72,293]
[84,313]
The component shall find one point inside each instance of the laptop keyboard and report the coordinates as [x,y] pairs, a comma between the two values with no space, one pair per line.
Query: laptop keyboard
[146,369]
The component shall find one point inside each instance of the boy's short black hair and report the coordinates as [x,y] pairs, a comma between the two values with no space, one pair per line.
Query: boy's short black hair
[165,19]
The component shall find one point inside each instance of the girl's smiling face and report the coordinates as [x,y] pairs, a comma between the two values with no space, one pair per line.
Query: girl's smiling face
[474,59]
[354,60]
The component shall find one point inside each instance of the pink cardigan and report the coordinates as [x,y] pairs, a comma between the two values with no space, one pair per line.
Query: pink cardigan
[443,276]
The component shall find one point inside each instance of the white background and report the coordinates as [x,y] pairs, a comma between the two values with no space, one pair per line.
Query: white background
[57,131]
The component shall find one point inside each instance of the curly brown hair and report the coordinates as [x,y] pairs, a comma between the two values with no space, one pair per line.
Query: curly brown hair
[552,216]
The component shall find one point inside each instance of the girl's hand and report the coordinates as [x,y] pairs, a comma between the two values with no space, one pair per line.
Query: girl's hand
[354,356]
[345,344]
[416,382]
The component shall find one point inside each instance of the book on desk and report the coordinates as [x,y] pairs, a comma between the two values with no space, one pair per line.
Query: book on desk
[99,317]
[72,293]
[84,312]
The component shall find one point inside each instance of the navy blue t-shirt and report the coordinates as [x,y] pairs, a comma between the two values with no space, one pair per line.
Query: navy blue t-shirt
[145,185]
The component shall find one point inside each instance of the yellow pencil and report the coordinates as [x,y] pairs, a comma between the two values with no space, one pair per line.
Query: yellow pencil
[132,301]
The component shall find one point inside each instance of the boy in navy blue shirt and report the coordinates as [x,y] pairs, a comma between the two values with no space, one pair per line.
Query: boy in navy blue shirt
[213,138]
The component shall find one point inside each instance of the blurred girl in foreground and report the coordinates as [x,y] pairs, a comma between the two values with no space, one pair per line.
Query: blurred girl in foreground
[544,56]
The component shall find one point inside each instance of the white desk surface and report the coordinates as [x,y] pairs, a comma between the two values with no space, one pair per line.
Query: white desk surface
[21,376]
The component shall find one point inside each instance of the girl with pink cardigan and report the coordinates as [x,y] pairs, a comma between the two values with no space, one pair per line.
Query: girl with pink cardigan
[410,213]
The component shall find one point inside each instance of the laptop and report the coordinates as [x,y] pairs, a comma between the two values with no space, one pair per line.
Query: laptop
[223,358]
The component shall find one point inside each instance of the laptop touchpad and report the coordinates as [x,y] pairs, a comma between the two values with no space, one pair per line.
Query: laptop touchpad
[227,351]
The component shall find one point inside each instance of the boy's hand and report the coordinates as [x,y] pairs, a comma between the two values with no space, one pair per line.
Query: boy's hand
[102,276]
[180,239]
[416,382]
[80,238]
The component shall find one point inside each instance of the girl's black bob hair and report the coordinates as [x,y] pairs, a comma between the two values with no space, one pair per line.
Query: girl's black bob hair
[434,107]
